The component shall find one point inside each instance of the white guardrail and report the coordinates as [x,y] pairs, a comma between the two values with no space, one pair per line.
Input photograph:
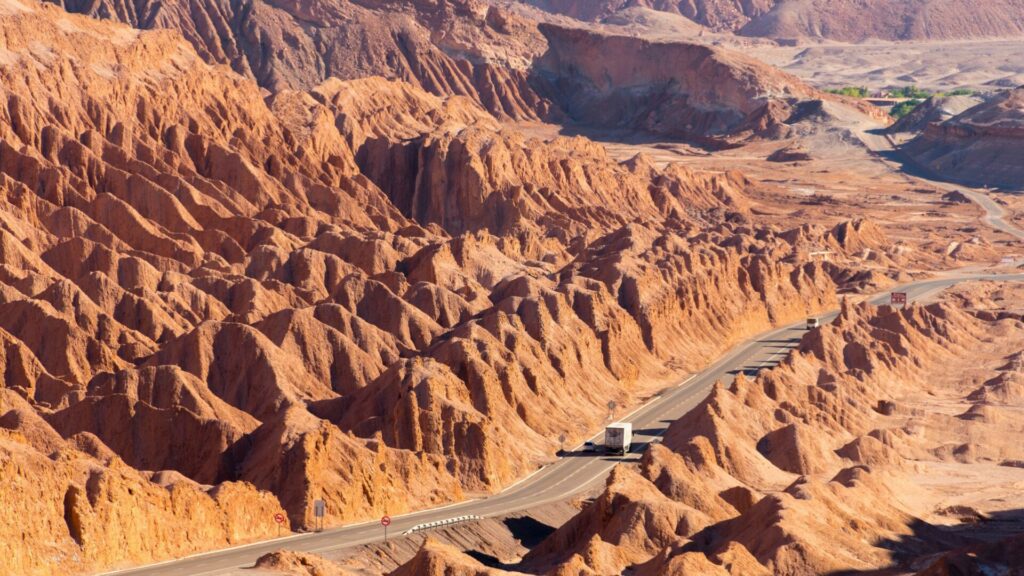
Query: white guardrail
[441,523]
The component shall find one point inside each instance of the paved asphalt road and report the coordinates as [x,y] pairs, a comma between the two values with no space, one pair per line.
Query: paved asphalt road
[570,475]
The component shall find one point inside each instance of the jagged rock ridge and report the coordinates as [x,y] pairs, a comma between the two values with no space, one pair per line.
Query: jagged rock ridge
[509,64]
[804,470]
[213,300]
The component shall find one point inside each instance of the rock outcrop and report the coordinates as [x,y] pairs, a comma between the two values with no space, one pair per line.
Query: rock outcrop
[666,88]
[934,110]
[437,559]
[980,146]
[790,153]
[71,505]
[299,564]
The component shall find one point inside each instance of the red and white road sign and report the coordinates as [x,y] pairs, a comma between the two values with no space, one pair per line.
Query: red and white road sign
[279,518]
[385,521]
[898,298]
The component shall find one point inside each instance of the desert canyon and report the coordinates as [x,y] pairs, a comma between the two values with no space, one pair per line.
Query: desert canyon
[408,258]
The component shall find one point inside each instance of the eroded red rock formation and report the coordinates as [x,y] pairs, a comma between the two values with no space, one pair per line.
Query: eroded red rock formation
[807,469]
[507,63]
[214,300]
[452,47]
[798,470]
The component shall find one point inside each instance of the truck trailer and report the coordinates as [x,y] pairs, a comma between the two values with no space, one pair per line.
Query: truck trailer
[617,437]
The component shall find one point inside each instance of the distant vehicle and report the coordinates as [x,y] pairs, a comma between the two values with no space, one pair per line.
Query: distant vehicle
[589,447]
[617,437]
[813,323]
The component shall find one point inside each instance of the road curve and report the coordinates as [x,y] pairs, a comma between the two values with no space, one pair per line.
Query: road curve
[566,477]
[886,151]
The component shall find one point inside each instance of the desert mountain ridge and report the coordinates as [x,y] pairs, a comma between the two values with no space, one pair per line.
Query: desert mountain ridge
[213,299]
[894,20]
[831,20]
[718,15]
[513,66]
[394,255]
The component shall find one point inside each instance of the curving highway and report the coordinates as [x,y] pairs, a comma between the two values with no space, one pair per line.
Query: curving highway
[566,477]
[883,147]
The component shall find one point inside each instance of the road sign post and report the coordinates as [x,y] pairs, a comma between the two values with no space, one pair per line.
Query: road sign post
[279,519]
[385,521]
[898,299]
[319,509]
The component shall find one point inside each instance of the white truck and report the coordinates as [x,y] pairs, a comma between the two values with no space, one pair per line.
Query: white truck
[617,437]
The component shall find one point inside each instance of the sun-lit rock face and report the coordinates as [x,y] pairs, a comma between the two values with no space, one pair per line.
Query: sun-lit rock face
[806,468]
[246,264]
[227,304]
[451,47]
[71,504]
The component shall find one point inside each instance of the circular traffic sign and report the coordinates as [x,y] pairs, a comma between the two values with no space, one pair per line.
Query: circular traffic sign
[279,518]
[385,521]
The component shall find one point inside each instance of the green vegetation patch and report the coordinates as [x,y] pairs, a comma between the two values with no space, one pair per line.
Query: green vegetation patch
[851,91]
[915,96]
[901,109]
